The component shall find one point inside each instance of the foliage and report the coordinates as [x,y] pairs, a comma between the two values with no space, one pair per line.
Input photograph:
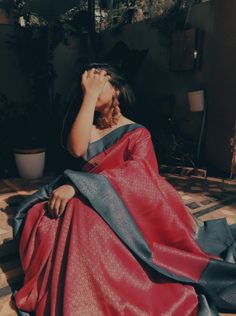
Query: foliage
[76,22]
[31,46]
[13,7]
[23,125]
[175,17]
[109,13]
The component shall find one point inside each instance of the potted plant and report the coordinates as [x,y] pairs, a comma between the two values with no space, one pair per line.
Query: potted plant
[28,139]
[25,125]
[24,130]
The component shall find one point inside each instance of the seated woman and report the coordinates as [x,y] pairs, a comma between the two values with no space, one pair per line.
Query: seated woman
[113,237]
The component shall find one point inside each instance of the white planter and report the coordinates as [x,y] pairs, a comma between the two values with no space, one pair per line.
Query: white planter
[30,162]
[196,100]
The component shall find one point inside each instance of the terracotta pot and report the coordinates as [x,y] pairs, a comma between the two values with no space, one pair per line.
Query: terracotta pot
[30,162]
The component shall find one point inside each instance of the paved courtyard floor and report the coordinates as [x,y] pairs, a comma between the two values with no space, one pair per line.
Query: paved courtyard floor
[206,198]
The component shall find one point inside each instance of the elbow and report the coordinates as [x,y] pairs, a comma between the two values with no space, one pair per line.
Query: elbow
[76,152]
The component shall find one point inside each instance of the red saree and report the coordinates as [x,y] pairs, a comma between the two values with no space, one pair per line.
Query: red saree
[125,245]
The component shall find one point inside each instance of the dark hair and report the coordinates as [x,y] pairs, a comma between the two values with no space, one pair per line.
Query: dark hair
[126,96]
[118,80]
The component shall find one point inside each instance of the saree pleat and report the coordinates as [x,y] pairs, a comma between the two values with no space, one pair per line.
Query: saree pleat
[125,245]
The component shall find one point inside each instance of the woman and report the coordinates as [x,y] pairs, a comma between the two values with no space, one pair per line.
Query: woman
[114,238]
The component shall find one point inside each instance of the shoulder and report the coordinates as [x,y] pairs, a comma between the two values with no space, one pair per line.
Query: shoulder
[137,127]
[141,132]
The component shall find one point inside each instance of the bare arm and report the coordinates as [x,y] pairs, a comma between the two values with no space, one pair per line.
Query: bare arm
[79,136]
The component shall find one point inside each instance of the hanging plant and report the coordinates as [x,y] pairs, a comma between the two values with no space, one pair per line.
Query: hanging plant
[31,19]
[13,7]
[118,13]
[75,22]
[175,17]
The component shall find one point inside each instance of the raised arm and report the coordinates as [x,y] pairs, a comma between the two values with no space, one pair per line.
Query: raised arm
[78,139]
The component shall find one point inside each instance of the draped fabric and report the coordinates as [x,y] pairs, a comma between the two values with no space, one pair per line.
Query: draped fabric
[125,245]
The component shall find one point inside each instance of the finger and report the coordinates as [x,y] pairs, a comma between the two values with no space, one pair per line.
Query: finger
[100,72]
[107,78]
[105,81]
[103,72]
[63,206]
[51,204]
[56,210]
[91,72]
[84,74]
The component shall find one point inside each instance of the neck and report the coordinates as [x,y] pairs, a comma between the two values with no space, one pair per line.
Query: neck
[104,119]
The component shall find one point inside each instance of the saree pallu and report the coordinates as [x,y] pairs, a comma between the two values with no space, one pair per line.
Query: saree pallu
[125,245]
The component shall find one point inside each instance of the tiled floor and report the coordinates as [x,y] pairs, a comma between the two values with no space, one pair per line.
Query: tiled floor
[206,198]
[12,191]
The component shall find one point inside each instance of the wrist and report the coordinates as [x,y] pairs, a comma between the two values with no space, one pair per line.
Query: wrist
[74,187]
[71,185]
[91,96]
